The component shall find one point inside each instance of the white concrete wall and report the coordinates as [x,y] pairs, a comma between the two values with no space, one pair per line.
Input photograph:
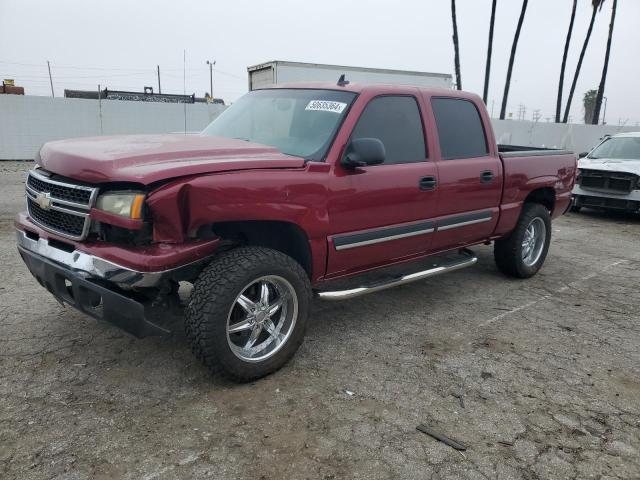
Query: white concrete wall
[26,122]
[575,137]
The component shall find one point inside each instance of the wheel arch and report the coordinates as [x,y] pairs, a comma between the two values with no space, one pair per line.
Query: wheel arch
[545,196]
[286,237]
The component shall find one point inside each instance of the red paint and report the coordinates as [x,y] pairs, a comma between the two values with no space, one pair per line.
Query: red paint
[196,180]
[150,158]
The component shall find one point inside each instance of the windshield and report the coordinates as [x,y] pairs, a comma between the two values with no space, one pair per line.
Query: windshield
[619,148]
[295,121]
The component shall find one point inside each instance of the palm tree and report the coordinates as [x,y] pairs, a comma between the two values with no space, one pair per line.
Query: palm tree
[564,62]
[514,46]
[455,45]
[489,48]
[596,110]
[589,104]
[595,4]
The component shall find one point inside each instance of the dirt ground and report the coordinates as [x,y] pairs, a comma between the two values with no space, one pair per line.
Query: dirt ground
[548,370]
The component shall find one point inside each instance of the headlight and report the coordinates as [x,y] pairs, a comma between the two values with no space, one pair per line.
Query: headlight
[125,204]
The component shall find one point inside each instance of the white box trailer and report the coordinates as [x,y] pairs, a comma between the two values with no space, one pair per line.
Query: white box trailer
[278,72]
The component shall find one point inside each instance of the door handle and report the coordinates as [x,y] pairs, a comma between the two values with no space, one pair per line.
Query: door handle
[428,183]
[486,176]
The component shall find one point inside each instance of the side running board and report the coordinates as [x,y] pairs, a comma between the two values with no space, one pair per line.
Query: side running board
[466,259]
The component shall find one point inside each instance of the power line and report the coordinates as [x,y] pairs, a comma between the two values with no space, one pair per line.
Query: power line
[72,66]
[139,71]
[114,75]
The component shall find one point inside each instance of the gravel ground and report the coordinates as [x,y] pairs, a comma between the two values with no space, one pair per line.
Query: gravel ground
[548,370]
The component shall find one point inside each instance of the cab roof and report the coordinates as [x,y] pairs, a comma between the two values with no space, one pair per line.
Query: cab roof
[376,88]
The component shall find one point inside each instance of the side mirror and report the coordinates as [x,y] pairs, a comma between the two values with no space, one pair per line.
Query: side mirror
[362,152]
[583,154]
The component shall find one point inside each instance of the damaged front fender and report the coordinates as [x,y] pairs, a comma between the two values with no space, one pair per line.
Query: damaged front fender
[181,207]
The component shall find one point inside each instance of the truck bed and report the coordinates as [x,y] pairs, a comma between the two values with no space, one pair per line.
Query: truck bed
[507,151]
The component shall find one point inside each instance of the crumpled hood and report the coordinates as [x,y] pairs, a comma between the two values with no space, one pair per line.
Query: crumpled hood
[610,165]
[149,158]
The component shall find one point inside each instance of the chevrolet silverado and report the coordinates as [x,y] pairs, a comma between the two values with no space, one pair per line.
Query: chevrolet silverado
[292,191]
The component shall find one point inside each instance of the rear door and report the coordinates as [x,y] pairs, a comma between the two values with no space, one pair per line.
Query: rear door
[469,173]
[383,213]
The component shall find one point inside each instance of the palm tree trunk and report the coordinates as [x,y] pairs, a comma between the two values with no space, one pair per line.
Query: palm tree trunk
[596,111]
[579,66]
[487,70]
[456,49]
[514,46]
[564,62]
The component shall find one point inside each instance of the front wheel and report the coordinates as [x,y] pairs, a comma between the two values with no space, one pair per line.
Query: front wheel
[248,312]
[575,207]
[524,251]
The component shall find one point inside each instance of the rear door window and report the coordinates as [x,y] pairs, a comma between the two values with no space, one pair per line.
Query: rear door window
[460,129]
[396,122]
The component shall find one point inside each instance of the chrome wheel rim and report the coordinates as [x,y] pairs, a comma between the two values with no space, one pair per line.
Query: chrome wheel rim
[262,318]
[533,241]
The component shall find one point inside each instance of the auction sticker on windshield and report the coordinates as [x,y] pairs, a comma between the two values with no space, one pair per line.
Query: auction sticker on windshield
[326,106]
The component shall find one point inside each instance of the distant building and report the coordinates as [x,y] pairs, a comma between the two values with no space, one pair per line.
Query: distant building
[146,96]
[8,87]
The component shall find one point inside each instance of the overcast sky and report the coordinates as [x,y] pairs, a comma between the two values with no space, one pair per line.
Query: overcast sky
[118,44]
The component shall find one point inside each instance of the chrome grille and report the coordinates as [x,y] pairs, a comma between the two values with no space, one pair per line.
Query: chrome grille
[61,192]
[59,207]
[617,182]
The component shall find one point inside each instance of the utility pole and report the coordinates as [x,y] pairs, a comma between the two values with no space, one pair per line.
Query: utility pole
[100,108]
[536,115]
[50,80]
[211,79]
[159,89]
[604,113]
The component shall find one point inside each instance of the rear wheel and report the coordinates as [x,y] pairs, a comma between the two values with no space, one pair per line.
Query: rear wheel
[523,252]
[248,311]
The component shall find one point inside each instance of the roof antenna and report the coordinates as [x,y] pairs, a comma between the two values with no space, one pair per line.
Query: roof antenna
[342,82]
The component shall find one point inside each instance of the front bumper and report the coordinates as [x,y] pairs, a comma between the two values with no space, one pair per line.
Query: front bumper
[593,198]
[89,265]
[75,289]
[104,289]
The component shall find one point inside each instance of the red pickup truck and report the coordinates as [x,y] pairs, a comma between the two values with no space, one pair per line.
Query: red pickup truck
[292,190]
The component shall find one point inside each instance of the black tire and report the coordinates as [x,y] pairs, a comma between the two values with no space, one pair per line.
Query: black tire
[214,295]
[508,252]
[574,205]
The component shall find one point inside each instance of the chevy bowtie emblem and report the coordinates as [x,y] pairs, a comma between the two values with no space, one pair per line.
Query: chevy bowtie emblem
[43,199]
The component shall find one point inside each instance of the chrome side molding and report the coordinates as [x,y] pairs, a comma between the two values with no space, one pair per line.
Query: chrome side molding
[467,259]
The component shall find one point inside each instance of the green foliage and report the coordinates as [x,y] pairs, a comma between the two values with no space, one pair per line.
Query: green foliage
[589,104]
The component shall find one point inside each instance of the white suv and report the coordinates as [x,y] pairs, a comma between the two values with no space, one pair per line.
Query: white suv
[609,176]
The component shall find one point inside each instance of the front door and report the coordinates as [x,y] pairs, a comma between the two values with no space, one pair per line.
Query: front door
[383,213]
